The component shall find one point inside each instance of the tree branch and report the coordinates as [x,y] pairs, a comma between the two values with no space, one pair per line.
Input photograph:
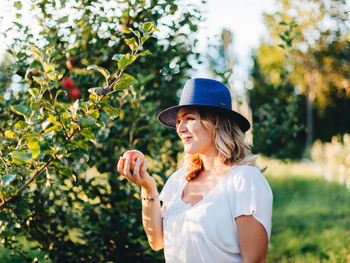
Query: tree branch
[19,191]
[60,121]
[4,161]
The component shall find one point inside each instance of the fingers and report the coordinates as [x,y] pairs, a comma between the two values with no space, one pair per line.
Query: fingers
[144,167]
[126,170]
[136,175]
[136,170]
[120,165]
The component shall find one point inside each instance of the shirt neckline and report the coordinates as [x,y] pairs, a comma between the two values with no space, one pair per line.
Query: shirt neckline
[208,194]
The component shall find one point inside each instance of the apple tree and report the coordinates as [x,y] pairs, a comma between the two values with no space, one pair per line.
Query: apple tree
[92,82]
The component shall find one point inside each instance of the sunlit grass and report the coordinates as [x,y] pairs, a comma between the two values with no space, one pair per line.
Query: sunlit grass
[311,218]
[278,168]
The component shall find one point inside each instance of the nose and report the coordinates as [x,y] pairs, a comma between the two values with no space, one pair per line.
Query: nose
[181,127]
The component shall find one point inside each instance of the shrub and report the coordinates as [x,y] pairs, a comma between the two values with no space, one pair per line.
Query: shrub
[333,158]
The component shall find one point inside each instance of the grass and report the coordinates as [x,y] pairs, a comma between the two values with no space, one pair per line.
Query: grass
[311,217]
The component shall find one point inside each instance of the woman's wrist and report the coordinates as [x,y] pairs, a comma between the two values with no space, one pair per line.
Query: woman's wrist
[149,185]
[149,192]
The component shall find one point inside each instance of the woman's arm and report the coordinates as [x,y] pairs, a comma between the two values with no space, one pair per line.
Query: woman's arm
[253,240]
[152,217]
[151,210]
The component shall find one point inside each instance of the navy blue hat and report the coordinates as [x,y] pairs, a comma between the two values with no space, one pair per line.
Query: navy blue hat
[207,93]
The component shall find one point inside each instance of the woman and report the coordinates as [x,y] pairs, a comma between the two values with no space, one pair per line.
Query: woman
[216,208]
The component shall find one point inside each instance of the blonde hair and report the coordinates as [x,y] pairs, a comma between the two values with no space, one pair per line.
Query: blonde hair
[228,139]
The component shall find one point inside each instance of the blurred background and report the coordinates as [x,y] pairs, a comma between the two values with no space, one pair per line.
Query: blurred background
[287,64]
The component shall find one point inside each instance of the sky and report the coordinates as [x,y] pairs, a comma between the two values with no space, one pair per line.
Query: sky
[243,18]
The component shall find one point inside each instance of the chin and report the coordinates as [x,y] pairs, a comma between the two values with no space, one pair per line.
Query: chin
[190,151]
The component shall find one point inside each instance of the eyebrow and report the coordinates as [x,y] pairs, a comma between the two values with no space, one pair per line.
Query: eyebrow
[186,113]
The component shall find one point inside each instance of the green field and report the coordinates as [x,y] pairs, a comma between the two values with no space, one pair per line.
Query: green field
[311,218]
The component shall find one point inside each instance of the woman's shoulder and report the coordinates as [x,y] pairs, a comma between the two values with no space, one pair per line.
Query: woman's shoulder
[245,170]
[176,176]
[246,175]
[172,185]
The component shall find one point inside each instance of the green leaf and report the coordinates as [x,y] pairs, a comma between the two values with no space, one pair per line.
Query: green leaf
[21,211]
[40,80]
[127,30]
[21,110]
[283,23]
[87,122]
[117,57]
[145,53]
[131,42]
[82,145]
[282,37]
[96,91]
[146,27]
[7,179]
[88,134]
[34,92]
[34,148]
[18,5]
[49,68]
[65,171]
[111,112]
[62,20]
[10,134]
[103,71]
[44,147]
[21,125]
[36,105]
[29,136]
[143,39]
[126,60]
[124,82]
[20,157]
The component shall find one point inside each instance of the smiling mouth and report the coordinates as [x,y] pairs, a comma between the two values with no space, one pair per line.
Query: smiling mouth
[186,139]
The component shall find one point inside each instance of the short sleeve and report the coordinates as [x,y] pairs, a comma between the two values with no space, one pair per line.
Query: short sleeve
[252,196]
[171,187]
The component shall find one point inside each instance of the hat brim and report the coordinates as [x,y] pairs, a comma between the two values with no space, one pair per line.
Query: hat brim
[168,116]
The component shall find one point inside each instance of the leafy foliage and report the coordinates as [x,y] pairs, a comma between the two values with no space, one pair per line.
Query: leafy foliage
[276,106]
[59,184]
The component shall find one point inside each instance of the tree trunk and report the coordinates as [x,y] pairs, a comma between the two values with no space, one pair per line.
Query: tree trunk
[310,99]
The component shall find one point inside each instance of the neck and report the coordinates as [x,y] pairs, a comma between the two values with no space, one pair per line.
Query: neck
[208,162]
[209,159]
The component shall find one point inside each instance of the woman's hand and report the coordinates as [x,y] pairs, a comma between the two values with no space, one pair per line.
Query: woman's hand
[138,175]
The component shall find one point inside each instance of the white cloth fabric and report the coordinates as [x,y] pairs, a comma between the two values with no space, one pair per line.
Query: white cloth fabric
[207,232]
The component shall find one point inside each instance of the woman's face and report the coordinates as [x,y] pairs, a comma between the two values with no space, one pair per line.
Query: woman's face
[194,136]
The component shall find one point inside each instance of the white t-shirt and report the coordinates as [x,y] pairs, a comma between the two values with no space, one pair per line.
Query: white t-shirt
[207,232]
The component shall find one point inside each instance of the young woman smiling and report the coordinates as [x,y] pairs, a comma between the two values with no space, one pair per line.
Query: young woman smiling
[218,206]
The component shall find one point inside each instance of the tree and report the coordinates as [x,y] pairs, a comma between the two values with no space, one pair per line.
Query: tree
[73,214]
[275,104]
[313,69]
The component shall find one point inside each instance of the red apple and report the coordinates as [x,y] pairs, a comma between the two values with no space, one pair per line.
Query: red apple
[133,155]
[67,83]
[74,93]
